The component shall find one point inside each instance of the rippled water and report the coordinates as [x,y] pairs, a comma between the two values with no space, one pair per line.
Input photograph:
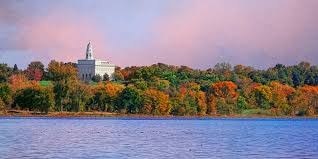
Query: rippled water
[122,138]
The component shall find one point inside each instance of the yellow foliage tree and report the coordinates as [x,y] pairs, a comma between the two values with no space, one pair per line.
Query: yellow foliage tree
[263,95]
[280,96]
[156,102]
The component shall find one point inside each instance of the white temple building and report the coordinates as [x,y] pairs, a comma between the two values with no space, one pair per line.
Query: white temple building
[89,67]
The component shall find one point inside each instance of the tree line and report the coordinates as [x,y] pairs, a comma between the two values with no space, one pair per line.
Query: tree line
[162,89]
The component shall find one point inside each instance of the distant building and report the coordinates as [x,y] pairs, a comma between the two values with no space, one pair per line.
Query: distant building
[89,67]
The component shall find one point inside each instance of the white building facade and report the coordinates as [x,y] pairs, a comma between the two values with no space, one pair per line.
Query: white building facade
[89,67]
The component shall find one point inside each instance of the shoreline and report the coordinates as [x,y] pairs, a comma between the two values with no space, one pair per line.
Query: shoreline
[19,113]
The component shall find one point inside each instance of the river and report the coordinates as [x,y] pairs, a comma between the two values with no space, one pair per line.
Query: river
[93,138]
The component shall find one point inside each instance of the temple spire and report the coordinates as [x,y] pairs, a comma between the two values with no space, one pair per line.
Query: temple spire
[89,52]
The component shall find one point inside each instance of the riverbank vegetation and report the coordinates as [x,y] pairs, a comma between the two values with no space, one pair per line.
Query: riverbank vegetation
[163,90]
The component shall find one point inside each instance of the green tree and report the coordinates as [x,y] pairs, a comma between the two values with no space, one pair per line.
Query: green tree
[129,100]
[140,84]
[241,103]
[97,78]
[61,91]
[5,72]
[62,74]
[79,95]
[159,84]
[15,69]
[35,99]
[6,93]
[296,78]
[106,77]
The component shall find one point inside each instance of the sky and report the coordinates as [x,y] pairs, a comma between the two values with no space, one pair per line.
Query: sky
[195,33]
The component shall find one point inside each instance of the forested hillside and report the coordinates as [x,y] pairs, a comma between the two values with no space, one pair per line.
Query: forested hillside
[163,89]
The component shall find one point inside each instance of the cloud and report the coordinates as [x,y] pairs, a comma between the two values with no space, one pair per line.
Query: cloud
[58,34]
[62,35]
[194,33]
[245,31]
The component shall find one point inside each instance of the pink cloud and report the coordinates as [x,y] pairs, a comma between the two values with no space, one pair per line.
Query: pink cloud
[281,29]
[60,35]
[197,33]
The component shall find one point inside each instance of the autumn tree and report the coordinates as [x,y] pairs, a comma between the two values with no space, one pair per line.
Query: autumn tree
[246,89]
[263,95]
[305,101]
[19,81]
[105,95]
[281,94]
[225,89]
[211,104]
[35,71]
[156,102]
[226,96]
[280,90]
[59,71]
[189,100]
[201,101]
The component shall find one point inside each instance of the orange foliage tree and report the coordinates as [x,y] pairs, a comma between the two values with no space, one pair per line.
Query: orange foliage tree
[190,100]
[246,88]
[211,104]
[20,81]
[201,101]
[156,102]
[223,96]
[105,95]
[225,89]
[305,101]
